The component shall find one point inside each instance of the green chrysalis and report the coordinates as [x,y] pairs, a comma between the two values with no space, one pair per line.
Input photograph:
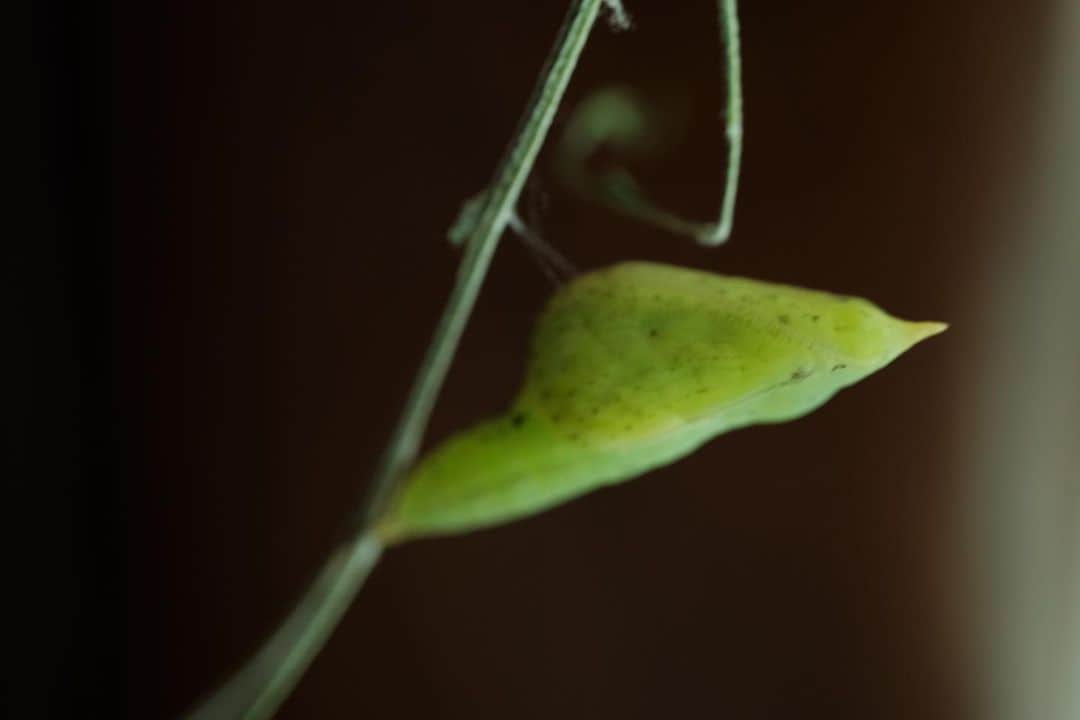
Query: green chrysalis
[635,366]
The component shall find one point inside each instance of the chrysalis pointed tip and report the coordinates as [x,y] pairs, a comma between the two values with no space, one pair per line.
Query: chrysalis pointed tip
[922,330]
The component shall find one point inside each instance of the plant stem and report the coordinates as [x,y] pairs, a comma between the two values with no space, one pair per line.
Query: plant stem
[501,198]
[258,689]
[729,36]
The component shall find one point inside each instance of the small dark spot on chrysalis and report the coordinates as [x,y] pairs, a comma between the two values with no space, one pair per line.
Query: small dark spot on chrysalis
[815,318]
[784,319]
[653,332]
[517,419]
[575,437]
[840,366]
[800,374]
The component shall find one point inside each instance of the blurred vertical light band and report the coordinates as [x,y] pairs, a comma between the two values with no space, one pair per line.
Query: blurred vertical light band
[1024,454]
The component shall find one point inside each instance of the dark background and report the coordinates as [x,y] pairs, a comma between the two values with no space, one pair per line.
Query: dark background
[248,202]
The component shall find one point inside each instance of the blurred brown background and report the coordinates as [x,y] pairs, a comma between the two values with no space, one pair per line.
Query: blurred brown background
[284,176]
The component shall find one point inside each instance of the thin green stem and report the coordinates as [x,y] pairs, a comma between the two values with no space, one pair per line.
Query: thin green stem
[729,36]
[259,688]
[501,198]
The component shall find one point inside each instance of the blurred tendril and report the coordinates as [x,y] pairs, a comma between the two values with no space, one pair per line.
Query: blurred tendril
[619,120]
[618,19]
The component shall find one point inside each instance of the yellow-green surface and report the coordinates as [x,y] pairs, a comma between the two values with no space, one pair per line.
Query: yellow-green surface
[635,366]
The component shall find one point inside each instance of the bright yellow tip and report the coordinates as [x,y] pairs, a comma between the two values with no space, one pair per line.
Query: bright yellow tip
[919,331]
